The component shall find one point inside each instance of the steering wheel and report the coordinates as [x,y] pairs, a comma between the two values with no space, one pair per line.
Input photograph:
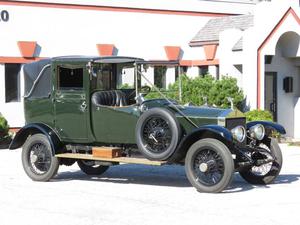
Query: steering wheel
[145,89]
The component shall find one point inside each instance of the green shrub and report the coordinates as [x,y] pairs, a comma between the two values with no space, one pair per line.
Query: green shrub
[259,115]
[224,88]
[195,90]
[3,127]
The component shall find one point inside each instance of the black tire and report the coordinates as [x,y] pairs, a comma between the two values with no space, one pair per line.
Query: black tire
[209,165]
[90,168]
[270,173]
[37,158]
[157,134]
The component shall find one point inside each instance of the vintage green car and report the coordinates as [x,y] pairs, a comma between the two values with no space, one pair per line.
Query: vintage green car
[74,104]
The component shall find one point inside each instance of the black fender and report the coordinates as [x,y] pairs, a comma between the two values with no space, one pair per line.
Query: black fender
[208,131]
[269,126]
[35,128]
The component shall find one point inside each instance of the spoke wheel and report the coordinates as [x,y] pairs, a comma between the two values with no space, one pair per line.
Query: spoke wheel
[157,133]
[266,173]
[89,167]
[37,159]
[209,165]
[40,158]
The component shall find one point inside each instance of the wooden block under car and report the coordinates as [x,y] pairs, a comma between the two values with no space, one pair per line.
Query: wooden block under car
[106,152]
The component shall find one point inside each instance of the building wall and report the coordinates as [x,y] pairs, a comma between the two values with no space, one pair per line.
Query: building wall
[61,31]
[12,111]
[285,101]
[142,28]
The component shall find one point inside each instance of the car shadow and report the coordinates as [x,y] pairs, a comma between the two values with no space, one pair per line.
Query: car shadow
[134,174]
[240,185]
[172,176]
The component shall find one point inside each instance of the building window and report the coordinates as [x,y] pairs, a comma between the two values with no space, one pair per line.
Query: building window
[160,76]
[12,82]
[203,70]
[217,72]
[177,72]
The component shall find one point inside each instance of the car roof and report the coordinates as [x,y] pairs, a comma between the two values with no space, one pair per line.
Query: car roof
[97,59]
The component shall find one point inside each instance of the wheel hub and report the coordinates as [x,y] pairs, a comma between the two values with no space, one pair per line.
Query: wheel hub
[39,158]
[203,167]
[207,166]
[33,158]
[157,134]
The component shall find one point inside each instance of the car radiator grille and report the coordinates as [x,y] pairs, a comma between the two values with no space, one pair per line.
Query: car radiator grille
[233,122]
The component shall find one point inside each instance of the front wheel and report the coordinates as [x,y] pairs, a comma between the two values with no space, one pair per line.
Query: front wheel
[37,158]
[266,173]
[89,167]
[209,165]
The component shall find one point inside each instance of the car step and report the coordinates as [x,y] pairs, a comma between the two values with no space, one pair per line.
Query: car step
[126,160]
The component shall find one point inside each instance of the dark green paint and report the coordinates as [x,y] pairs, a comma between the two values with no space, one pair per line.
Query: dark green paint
[63,112]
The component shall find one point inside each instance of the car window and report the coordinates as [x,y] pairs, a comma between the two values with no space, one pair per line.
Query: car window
[125,78]
[105,79]
[70,78]
[43,87]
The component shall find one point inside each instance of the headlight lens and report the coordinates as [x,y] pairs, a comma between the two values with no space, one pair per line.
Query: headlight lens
[239,133]
[257,132]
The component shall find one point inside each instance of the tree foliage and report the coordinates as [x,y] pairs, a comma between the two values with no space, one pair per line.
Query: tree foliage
[3,127]
[201,90]
[259,115]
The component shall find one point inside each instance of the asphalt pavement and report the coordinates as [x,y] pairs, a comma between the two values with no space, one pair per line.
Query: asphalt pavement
[137,194]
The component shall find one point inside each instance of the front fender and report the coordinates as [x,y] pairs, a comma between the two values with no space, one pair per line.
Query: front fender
[269,126]
[35,128]
[207,131]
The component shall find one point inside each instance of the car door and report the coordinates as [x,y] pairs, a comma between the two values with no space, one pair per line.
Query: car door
[70,103]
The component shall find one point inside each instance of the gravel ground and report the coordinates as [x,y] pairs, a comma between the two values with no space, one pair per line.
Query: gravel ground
[135,194]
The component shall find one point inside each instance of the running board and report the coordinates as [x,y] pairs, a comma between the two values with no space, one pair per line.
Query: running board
[127,160]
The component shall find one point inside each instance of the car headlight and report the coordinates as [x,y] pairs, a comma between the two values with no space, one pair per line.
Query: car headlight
[257,132]
[239,133]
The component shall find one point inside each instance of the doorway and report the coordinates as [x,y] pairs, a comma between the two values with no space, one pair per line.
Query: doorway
[271,93]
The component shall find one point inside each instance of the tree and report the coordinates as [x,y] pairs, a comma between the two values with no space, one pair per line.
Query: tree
[201,90]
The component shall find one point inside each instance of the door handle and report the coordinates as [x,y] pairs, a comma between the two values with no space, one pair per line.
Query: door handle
[83,106]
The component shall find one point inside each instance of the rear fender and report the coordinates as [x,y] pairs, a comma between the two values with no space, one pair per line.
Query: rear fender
[208,131]
[35,128]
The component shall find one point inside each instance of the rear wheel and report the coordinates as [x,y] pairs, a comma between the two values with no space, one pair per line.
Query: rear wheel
[37,158]
[89,167]
[209,165]
[266,173]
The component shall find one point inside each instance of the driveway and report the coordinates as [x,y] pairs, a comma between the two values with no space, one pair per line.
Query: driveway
[142,195]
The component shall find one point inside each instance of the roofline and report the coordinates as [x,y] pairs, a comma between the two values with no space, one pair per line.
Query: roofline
[202,43]
[161,62]
[114,8]
[92,58]
[231,1]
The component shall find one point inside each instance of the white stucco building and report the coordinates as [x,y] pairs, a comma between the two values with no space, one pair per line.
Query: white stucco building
[255,41]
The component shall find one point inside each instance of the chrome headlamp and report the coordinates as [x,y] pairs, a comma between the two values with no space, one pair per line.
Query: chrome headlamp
[239,133]
[257,132]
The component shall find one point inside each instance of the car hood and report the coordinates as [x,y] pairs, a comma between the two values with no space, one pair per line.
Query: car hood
[209,112]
